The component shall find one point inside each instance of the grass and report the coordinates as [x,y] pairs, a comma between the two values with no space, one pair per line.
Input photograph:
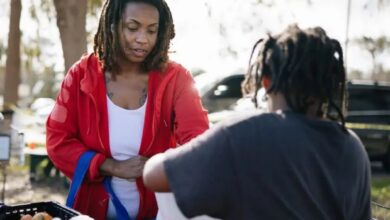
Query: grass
[380,193]
[380,190]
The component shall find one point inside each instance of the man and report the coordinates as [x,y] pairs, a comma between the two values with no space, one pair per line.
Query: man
[298,161]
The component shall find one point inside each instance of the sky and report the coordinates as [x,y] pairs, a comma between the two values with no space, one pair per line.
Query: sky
[217,35]
[246,23]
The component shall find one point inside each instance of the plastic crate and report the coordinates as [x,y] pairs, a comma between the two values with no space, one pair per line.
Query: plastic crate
[54,209]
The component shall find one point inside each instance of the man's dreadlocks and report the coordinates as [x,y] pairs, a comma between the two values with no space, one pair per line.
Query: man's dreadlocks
[302,65]
[106,41]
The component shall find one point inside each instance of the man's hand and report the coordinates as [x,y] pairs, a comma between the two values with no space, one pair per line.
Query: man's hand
[154,175]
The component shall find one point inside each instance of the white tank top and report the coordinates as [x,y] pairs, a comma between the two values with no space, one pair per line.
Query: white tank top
[125,130]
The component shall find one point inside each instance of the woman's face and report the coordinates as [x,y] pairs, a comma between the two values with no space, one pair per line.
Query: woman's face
[138,31]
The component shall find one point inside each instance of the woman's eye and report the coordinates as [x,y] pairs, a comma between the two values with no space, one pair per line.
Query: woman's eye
[131,29]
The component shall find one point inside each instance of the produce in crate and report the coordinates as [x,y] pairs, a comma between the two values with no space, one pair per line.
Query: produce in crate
[37,216]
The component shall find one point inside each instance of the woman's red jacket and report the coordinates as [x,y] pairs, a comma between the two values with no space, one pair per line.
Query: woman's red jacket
[79,122]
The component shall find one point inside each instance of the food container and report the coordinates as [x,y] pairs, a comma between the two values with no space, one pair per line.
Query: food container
[14,212]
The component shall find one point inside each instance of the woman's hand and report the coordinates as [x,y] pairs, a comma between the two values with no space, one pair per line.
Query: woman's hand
[131,168]
[125,169]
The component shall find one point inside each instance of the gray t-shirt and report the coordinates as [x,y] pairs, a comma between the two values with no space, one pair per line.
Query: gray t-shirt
[272,166]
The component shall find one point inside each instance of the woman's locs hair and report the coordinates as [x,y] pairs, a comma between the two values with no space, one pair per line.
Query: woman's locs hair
[303,65]
[106,40]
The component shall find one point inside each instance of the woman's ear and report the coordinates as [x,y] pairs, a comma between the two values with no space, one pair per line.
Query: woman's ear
[265,81]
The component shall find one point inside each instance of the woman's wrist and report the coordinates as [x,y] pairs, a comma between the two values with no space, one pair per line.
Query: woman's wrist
[108,167]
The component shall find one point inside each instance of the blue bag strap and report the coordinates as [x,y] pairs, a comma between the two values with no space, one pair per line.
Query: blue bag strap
[78,176]
[121,212]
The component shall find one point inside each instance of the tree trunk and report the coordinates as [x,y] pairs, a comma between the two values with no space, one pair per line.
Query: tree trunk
[374,66]
[71,20]
[12,69]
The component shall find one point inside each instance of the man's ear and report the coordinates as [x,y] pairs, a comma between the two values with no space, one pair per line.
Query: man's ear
[265,82]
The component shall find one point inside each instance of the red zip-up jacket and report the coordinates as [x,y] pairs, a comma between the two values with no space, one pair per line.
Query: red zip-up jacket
[79,122]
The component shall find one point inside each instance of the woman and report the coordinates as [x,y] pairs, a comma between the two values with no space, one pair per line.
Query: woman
[126,102]
[297,161]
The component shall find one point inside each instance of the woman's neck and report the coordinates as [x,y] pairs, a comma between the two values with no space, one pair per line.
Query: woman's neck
[129,68]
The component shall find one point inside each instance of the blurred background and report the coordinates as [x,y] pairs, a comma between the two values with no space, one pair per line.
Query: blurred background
[41,39]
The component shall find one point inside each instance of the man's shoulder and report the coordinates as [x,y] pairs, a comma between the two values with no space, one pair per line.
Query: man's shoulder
[247,119]
[354,143]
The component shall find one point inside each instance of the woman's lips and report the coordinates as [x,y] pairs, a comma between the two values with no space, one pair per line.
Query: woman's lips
[139,52]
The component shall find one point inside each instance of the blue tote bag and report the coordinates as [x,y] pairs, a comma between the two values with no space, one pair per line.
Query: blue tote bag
[79,174]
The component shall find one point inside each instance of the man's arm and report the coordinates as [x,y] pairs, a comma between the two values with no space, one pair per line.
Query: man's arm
[154,175]
[199,173]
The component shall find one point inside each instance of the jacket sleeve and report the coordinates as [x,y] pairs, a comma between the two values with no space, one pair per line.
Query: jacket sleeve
[63,145]
[190,117]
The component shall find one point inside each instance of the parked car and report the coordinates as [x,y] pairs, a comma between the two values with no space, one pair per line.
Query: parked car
[219,92]
[368,116]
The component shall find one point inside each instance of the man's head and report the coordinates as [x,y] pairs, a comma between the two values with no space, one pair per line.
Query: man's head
[305,66]
[138,31]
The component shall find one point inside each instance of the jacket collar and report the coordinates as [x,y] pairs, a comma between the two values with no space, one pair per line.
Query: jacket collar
[91,67]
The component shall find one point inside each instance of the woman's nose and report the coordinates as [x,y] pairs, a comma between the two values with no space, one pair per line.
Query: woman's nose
[141,37]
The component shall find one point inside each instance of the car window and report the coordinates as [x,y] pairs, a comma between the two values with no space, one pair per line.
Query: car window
[369,99]
[229,88]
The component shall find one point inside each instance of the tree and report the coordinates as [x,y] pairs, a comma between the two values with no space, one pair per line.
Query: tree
[71,20]
[375,46]
[12,77]
[355,74]
[2,50]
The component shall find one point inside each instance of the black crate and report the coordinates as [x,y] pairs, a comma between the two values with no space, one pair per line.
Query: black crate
[54,209]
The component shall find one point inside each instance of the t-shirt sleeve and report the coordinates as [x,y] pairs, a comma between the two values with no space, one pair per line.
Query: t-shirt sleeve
[200,174]
[361,199]
[365,184]
[364,212]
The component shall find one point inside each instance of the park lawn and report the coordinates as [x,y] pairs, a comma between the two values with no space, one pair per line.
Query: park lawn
[380,193]
[380,190]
